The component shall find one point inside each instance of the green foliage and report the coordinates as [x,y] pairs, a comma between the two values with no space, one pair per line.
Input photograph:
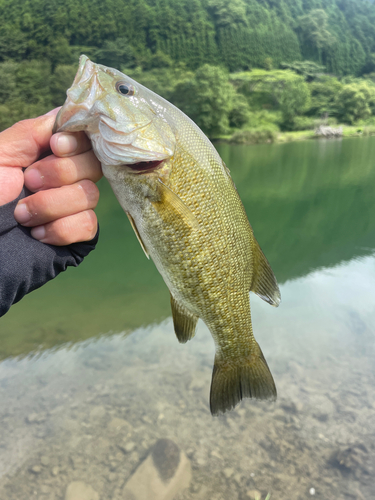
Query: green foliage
[304,123]
[227,13]
[60,81]
[310,70]
[115,53]
[324,96]
[207,98]
[164,44]
[254,136]
[268,63]
[279,90]
[240,34]
[24,91]
[313,29]
[369,66]
[158,60]
[239,114]
[294,99]
[162,81]
[356,101]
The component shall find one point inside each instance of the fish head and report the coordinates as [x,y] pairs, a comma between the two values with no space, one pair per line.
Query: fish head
[125,121]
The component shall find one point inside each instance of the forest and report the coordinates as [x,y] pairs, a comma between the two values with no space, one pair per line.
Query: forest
[242,69]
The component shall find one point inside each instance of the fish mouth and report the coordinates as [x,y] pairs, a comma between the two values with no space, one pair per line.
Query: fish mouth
[144,167]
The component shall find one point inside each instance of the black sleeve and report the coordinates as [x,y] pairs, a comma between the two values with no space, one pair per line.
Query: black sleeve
[26,263]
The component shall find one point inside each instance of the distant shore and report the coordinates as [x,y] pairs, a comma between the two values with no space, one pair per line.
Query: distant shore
[249,137]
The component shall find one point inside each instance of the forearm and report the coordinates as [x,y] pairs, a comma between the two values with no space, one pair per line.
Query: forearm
[27,264]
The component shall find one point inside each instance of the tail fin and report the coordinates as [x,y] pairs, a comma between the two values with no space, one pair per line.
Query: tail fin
[234,380]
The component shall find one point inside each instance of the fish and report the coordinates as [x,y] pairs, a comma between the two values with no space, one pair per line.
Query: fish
[187,215]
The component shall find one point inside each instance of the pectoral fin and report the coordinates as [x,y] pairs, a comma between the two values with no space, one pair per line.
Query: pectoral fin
[132,223]
[264,282]
[184,322]
[172,204]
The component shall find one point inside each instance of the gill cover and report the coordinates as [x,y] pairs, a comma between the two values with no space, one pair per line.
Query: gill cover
[124,128]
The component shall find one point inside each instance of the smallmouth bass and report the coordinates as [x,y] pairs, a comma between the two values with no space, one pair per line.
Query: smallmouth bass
[187,215]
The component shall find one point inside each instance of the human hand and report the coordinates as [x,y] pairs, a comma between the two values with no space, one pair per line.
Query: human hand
[61,210]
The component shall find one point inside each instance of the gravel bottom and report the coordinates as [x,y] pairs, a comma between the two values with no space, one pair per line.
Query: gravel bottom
[92,412]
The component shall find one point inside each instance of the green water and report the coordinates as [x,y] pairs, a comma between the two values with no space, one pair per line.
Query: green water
[311,205]
[97,344]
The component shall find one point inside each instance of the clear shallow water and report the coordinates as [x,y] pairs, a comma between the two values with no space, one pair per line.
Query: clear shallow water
[311,206]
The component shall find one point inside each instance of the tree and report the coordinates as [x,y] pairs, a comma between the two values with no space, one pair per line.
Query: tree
[323,96]
[369,66]
[227,13]
[207,98]
[61,80]
[313,28]
[116,53]
[310,70]
[294,100]
[356,101]
[240,111]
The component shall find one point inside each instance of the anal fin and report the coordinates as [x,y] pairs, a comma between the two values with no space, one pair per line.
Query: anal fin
[264,282]
[132,223]
[184,322]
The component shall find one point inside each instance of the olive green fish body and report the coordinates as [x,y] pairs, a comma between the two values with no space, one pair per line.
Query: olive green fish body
[189,219]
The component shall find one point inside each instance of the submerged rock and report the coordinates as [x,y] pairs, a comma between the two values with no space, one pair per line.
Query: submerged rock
[165,472]
[325,131]
[78,490]
[352,459]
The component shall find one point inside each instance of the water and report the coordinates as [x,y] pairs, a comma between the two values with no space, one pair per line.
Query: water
[91,374]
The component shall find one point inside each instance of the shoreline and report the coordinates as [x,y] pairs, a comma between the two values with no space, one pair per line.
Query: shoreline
[265,137]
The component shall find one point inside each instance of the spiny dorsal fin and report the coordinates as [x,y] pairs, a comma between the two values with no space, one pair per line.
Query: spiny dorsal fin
[264,282]
[234,380]
[174,203]
[132,223]
[184,322]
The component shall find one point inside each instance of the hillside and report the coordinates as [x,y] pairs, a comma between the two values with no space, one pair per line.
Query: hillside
[240,34]
[306,46]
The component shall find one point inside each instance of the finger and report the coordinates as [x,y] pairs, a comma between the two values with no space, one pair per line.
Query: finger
[68,230]
[24,142]
[47,206]
[65,144]
[11,182]
[52,172]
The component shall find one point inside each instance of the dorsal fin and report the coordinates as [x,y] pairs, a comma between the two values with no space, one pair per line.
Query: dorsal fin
[264,282]
[132,223]
[184,321]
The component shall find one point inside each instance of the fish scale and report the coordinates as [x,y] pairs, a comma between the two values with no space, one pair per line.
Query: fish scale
[188,217]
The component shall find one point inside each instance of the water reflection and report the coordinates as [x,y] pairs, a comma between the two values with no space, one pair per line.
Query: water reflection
[91,410]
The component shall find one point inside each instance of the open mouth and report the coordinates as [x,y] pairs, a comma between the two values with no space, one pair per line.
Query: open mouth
[144,167]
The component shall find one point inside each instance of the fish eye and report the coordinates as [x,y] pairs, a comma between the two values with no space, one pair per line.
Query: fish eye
[125,88]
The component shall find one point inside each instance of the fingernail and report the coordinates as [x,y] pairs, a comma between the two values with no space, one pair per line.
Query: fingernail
[33,179]
[53,111]
[66,144]
[38,233]
[21,214]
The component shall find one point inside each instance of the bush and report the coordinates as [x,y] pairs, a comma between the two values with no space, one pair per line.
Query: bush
[264,119]
[254,136]
[323,96]
[240,113]
[304,123]
[356,101]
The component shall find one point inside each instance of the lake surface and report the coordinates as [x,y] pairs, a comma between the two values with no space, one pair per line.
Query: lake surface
[91,374]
